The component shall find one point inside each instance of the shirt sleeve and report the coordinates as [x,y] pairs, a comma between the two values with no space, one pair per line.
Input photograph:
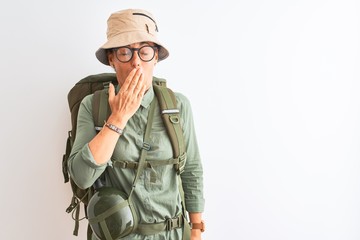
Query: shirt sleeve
[192,177]
[82,167]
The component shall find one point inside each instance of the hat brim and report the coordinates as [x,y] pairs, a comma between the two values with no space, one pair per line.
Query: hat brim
[127,39]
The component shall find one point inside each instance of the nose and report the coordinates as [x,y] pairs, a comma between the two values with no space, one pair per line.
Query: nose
[135,61]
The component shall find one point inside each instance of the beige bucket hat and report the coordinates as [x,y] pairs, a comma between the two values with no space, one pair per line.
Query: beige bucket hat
[127,27]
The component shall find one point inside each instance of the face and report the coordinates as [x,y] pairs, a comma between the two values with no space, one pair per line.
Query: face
[123,69]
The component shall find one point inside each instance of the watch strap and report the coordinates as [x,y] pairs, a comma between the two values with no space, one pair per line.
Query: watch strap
[200,226]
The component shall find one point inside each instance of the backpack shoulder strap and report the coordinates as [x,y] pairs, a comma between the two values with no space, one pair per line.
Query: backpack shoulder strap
[101,109]
[171,118]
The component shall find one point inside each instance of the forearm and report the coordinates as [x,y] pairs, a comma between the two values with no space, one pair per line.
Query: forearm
[123,106]
[90,151]
[195,217]
[83,168]
[103,144]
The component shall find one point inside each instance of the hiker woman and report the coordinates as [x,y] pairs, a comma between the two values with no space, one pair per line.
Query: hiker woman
[114,153]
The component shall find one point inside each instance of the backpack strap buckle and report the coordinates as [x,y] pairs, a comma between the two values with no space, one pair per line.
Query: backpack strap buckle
[74,203]
[146,146]
[169,224]
[106,85]
[125,164]
[172,223]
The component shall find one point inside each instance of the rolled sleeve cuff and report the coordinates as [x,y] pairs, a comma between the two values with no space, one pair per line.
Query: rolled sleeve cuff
[89,158]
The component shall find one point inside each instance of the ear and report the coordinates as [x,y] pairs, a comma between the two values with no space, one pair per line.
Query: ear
[156,58]
[110,56]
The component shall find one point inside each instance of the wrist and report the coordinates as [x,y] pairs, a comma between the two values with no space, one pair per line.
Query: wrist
[198,226]
[114,128]
[118,122]
[195,234]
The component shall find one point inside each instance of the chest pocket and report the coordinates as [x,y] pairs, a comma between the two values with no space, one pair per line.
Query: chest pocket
[128,147]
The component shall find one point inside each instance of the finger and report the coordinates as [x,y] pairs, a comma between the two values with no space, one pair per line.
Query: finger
[111,92]
[129,79]
[139,85]
[142,87]
[142,91]
[136,81]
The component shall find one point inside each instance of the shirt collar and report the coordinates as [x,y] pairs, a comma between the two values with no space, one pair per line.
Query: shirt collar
[148,97]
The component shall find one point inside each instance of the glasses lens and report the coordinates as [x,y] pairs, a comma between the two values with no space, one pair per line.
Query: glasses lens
[146,53]
[124,54]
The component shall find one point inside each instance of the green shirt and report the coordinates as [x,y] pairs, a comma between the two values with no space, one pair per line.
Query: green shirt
[156,195]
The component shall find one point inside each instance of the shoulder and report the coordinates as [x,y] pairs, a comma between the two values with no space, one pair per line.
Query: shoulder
[183,104]
[87,100]
[86,104]
[182,100]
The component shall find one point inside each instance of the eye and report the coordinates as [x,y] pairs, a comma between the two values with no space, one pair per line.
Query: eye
[146,51]
[124,52]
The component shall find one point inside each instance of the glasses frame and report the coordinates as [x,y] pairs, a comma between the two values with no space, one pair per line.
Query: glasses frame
[132,50]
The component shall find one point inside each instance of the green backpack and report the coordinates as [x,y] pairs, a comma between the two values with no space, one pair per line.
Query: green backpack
[98,84]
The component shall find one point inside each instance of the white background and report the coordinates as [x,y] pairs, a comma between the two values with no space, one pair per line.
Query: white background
[274,87]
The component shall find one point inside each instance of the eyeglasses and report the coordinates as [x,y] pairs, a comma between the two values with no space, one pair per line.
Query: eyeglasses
[124,54]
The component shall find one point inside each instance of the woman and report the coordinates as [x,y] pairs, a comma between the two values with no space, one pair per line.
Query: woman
[133,50]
